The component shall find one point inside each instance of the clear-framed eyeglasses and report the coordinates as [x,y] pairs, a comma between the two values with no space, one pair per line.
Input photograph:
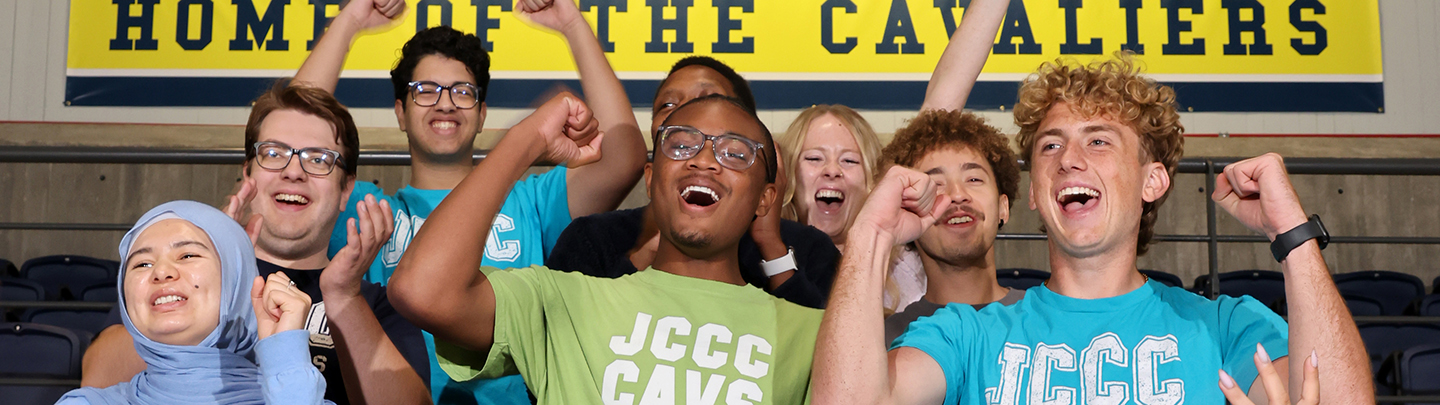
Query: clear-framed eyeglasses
[316,161]
[462,95]
[679,142]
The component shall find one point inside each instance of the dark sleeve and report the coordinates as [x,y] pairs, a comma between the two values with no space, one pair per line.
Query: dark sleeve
[815,260]
[405,335]
[597,245]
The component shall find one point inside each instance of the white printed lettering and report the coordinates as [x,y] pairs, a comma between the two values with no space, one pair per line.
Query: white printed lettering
[618,370]
[660,390]
[743,392]
[696,394]
[1013,361]
[1107,349]
[703,356]
[743,354]
[1149,355]
[620,346]
[501,250]
[1060,358]
[661,346]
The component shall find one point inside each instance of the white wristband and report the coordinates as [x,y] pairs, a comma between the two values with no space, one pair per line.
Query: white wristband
[779,265]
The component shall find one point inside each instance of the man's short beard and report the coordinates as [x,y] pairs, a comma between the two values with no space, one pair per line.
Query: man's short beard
[690,239]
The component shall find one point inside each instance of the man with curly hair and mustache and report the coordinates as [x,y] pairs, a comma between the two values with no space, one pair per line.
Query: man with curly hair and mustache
[1102,143]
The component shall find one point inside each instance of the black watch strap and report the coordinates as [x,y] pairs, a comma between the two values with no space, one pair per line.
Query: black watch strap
[1285,242]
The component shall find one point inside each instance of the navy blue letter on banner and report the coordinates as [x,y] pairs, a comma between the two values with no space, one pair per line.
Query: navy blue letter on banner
[1132,27]
[602,21]
[422,13]
[897,24]
[726,24]
[321,21]
[1177,26]
[483,22]
[124,21]
[1308,26]
[947,15]
[1071,46]
[1017,24]
[659,24]
[827,26]
[273,23]
[1255,26]
[182,24]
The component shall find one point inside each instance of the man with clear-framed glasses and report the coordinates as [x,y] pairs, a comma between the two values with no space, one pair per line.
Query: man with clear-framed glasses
[439,86]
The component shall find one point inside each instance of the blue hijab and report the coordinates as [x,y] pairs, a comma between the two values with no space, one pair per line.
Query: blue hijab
[221,369]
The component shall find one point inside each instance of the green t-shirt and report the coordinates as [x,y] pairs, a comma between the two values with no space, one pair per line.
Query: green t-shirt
[648,337]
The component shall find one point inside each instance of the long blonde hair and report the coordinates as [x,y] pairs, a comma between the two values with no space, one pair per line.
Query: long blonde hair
[795,136]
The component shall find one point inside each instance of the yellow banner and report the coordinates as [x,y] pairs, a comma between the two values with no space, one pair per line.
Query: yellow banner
[1301,40]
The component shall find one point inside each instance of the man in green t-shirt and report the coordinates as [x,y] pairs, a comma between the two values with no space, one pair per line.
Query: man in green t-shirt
[686,329]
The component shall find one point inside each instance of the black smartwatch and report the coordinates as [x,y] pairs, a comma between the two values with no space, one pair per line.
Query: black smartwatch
[1312,229]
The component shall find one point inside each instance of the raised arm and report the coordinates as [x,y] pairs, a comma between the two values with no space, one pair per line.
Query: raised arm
[437,285]
[322,68]
[851,364]
[599,187]
[960,65]
[1258,193]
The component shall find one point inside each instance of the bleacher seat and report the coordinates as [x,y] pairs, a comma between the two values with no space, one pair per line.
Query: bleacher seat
[37,351]
[1361,305]
[1163,277]
[1265,286]
[1020,279]
[64,275]
[86,323]
[15,289]
[1428,306]
[1417,370]
[1395,291]
[1384,339]
[102,292]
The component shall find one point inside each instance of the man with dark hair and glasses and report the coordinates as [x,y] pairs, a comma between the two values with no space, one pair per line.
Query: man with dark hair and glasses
[439,85]
[300,162]
[687,327]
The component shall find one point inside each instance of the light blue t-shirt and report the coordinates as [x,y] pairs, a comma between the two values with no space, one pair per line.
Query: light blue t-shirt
[1154,345]
[535,212]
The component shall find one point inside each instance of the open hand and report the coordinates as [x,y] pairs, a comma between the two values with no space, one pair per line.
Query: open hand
[904,204]
[1275,387]
[279,305]
[237,207]
[1257,192]
[364,236]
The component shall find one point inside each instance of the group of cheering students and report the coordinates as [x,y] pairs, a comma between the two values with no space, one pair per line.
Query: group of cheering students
[820,268]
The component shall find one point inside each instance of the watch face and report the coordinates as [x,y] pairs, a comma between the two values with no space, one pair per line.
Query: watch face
[1324,238]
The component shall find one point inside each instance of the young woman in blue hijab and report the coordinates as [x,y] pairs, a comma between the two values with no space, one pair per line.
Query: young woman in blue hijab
[209,329]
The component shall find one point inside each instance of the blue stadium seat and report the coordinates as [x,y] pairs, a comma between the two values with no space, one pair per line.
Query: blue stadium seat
[1428,306]
[1394,291]
[1384,339]
[1163,277]
[15,289]
[86,323]
[1020,279]
[1417,370]
[102,292]
[1265,286]
[64,275]
[1361,305]
[38,351]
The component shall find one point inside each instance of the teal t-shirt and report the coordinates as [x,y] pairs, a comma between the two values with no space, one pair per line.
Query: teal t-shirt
[646,337]
[535,212]
[1154,345]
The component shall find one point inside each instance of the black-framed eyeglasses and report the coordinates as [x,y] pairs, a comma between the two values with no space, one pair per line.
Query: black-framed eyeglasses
[316,161]
[680,142]
[462,95]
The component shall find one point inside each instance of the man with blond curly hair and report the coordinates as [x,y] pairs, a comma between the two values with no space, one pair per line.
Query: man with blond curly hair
[1102,142]
[954,260]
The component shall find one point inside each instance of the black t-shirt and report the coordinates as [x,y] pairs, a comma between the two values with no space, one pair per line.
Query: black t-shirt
[406,336]
[599,245]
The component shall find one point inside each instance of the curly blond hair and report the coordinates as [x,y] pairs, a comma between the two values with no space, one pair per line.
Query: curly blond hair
[1112,88]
